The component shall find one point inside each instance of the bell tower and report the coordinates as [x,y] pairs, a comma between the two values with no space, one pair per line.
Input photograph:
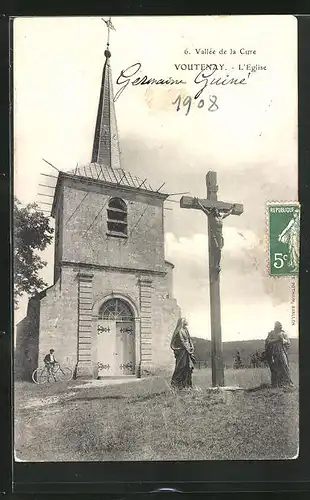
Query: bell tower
[104,215]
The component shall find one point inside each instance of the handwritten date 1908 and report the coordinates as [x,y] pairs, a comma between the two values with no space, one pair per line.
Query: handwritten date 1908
[187,102]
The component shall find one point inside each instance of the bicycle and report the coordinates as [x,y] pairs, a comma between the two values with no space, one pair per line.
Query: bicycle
[54,374]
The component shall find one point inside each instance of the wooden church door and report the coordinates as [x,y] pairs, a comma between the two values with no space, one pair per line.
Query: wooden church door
[106,346]
[116,339]
[125,342]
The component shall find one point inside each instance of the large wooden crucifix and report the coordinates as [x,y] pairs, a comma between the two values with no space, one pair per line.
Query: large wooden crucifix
[216,211]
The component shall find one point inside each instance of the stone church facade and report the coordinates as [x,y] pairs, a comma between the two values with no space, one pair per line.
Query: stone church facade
[110,311]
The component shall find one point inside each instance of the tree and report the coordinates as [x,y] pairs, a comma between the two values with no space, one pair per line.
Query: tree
[32,232]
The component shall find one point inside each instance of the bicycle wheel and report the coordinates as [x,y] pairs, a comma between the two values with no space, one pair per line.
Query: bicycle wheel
[64,374]
[40,376]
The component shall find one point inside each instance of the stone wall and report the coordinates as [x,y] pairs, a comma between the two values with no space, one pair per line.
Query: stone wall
[165,316]
[58,246]
[84,235]
[27,342]
[58,320]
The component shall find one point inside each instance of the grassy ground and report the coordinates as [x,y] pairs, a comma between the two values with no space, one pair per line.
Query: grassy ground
[144,420]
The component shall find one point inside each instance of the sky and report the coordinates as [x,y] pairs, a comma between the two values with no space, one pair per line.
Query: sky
[250,140]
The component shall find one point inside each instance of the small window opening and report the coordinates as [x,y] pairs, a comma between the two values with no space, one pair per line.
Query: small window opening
[117,217]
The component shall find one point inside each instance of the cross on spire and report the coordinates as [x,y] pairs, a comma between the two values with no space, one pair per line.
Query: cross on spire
[110,27]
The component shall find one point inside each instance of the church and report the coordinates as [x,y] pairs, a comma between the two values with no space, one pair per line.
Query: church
[110,311]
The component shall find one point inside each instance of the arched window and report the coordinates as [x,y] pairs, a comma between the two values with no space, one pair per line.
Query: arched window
[116,309]
[117,217]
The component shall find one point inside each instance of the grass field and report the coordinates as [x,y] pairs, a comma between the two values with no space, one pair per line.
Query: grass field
[144,420]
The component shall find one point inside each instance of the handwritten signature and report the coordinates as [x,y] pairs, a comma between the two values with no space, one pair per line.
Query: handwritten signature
[126,75]
[206,79]
[214,76]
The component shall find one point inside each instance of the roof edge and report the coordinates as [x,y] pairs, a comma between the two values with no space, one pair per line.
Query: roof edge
[89,180]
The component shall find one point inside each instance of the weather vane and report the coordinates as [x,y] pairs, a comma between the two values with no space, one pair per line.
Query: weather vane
[110,26]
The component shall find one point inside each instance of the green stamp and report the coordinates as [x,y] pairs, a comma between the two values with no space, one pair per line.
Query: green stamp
[283,232]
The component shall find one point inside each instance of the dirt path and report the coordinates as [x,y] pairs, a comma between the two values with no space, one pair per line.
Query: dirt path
[37,402]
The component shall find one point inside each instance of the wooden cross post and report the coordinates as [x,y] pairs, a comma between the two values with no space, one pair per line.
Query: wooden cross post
[216,212]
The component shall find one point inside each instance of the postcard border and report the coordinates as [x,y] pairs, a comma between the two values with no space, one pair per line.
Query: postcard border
[291,475]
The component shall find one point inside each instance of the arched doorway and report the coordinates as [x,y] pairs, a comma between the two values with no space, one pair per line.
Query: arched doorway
[116,339]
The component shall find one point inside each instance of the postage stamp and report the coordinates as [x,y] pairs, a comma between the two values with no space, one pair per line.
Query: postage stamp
[283,238]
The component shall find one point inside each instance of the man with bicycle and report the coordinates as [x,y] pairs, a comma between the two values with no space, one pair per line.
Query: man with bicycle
[52,371]
[50,362]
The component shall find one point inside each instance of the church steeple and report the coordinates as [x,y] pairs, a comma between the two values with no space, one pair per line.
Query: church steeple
[106,145]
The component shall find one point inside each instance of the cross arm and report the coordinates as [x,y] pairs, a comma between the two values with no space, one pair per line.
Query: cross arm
[189,202]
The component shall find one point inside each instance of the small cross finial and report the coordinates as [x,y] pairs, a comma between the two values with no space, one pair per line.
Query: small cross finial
[110,26]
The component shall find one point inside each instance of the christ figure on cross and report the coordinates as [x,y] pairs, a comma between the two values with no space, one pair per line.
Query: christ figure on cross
[217,230]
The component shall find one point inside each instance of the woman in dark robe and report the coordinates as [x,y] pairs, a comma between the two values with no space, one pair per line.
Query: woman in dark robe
[276,347]
[183,349]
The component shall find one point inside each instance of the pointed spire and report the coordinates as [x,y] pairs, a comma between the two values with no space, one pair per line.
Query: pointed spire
[106,145]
